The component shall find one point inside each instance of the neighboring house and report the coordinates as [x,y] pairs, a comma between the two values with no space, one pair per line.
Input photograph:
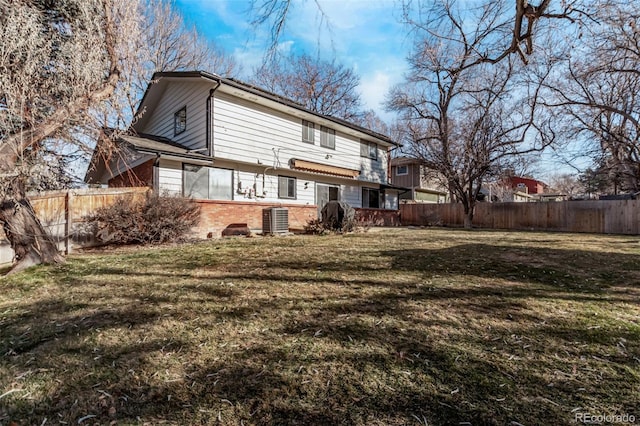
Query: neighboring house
[550,197]
[524,184]
[510,189]
[412,174]
[503,192]
[244,149]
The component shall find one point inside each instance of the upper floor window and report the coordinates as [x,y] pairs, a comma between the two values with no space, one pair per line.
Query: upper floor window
[402,170]
[287,187]
[308,131]
[369,150]
[327,137]
[180,121]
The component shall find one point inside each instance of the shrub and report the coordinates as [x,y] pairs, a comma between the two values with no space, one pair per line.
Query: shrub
[315,226]
[153,220]
[337,216]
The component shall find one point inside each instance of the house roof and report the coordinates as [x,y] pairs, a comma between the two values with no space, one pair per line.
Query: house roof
[401,161]
[143,144]
[159,145]
[430,191]
[274,99]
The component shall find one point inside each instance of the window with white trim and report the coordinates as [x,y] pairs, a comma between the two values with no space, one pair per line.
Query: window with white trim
[180,121]
[369,150]
[327,137]
[402,170]
[308,134]
[208,183]
[287,187]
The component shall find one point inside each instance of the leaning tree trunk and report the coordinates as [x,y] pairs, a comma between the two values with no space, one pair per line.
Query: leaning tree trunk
[30,241]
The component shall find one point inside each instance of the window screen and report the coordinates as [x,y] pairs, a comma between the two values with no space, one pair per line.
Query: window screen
[180,121]
[369,150]
[286,187]
[327,137]
[208,183]
[308,132]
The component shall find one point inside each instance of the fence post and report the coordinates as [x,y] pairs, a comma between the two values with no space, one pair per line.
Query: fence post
[68,228]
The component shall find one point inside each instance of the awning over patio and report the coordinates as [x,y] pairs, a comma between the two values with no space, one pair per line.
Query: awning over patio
[324,169]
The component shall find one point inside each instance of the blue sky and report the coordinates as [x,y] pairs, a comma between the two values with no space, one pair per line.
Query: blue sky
[364,35]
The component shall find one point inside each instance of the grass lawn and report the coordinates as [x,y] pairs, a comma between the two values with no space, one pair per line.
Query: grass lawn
[390,327]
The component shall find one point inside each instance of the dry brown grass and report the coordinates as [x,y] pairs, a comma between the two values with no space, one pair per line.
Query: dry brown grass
[394,327]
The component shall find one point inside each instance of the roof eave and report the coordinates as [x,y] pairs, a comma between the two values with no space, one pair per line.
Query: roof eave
[266,95]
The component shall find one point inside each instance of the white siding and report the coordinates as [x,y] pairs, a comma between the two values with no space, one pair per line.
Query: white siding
[251,133]
[177,95]
[170,177]
[264,187]
[260,184]
[374,170]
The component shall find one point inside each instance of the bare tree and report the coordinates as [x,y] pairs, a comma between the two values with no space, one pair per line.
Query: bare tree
[274,14]
[599,94]
[513,30]
[566,184]
[167,43]
[369,119]
[461,113]
[325,87]
[59,63]
[68,69]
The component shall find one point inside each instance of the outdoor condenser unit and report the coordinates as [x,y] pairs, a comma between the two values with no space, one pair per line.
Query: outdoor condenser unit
[275,220]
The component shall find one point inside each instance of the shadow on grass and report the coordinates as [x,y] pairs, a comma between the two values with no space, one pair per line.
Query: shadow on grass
[367,350]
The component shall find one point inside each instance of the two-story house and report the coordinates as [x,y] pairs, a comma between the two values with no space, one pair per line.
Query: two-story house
[240,149]
[411,173]
[525,184]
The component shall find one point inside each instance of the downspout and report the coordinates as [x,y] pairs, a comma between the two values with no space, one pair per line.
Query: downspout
[389,149]
[209,130]
[155,186]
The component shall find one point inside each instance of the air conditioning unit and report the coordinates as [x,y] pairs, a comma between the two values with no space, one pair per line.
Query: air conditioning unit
[275,220]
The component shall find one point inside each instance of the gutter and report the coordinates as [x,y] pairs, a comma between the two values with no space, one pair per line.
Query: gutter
[209,129]
[270,96]
[176,156]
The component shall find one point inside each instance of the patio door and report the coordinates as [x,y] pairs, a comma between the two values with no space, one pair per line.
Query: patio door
[326,193]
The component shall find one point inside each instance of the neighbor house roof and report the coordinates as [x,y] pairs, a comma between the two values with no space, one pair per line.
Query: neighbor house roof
[401,161]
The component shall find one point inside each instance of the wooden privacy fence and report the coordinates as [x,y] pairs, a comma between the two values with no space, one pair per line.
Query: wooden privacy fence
[602,216]
[63,214]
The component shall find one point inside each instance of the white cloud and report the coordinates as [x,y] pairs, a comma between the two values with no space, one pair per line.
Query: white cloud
[361,34]
[373,89]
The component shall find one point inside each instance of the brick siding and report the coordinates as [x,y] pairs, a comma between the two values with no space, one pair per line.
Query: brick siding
[215,216]
[141,175]
[378,217]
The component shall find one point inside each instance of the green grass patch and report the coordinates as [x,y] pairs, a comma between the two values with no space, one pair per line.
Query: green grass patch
[389,327]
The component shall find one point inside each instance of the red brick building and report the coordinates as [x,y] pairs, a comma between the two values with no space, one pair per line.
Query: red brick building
[527,185]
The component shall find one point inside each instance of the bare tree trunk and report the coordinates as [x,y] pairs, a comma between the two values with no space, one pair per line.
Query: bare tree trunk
[30,241]
[468,219]
[469,208]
